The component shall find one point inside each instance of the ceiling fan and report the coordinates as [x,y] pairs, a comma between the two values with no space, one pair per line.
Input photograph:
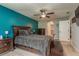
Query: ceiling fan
[43,13]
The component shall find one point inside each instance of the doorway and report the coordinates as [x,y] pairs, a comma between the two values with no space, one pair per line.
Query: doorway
[50,28]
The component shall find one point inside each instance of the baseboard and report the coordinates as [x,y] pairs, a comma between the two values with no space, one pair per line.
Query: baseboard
[63,41]
[76,49]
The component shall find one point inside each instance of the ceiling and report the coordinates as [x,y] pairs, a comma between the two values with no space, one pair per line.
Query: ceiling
[29,9]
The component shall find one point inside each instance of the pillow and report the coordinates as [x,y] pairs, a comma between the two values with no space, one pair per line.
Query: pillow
[23,32]
[30,32]
[26,32]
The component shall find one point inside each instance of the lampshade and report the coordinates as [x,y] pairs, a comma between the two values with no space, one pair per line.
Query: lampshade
[6,32]
[1,37]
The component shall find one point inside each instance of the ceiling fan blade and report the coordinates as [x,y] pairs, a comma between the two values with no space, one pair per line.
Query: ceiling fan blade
[36,14]
[48,16]
[50,13]
[40,17]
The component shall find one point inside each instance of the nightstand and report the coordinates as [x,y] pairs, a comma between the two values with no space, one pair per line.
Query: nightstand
[6,45]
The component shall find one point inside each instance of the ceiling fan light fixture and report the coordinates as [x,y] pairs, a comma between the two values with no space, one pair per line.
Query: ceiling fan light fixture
[43,15]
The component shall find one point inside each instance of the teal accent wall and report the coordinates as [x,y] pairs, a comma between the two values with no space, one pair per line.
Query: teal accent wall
[8,18]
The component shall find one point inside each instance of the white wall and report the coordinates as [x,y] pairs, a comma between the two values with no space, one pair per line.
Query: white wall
[42,24]
[75,36]
[56,25]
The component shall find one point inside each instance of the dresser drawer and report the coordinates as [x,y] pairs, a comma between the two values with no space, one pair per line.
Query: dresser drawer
[1,50]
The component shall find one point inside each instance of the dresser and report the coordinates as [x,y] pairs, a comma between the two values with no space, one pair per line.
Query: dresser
[6,45]
[41,31]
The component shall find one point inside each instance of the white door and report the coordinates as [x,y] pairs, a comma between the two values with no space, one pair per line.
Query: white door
[64,30]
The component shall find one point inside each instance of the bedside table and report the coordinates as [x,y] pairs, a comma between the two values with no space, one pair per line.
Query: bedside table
[6,45]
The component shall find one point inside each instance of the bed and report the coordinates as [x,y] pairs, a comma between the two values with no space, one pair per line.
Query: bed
[32,42]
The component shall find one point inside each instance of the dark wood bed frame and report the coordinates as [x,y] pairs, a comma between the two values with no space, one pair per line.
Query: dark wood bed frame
[16,33]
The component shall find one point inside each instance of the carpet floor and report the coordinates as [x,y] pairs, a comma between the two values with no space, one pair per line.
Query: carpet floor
[19,52]
[57,50]
[60,49]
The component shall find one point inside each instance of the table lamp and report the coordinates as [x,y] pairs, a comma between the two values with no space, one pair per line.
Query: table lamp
[6,32]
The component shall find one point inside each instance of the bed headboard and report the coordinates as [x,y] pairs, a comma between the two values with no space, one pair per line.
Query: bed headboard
[17,28]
